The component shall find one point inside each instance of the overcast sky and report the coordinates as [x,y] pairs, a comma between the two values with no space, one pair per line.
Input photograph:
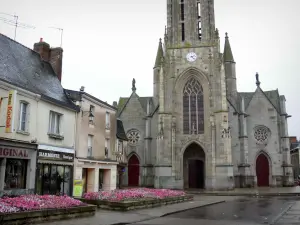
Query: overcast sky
[108,42]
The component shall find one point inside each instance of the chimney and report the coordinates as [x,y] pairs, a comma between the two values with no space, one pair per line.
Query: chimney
[52,55]
[43,49]
[293,139]
[115,104]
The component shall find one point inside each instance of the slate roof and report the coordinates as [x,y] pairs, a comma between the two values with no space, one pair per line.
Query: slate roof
[77,96]
[272,96]
[24,68]
[121,131]
[143,100]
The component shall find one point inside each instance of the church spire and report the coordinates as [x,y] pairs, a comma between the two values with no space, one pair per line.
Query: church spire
[159,55]
[228,56]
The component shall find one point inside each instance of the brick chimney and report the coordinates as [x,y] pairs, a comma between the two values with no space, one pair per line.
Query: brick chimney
[52,55]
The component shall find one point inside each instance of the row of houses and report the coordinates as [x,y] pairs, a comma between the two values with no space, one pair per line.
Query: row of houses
[53,140]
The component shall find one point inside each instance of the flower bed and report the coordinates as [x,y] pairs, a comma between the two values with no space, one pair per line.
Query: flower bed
[36,202]
[138,198]
[133,194]
[30,209]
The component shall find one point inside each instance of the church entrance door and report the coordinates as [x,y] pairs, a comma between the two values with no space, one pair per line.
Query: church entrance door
[194,167]
[133,171]
[196,176]
[262,171]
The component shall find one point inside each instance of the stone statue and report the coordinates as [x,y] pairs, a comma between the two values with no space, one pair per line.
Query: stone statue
[133,85]
[257,79]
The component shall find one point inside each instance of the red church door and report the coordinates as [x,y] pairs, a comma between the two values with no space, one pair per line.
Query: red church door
[262,171]
[133,171]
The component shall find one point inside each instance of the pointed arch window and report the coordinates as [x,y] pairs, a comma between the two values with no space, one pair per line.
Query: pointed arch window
[193,107]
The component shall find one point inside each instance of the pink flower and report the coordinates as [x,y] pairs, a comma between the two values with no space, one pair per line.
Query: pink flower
[135,193]
[36,202]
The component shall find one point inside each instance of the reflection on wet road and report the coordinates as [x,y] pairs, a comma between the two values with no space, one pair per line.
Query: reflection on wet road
[240,212]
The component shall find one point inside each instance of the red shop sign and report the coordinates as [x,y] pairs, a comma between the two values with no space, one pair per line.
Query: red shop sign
[11,152]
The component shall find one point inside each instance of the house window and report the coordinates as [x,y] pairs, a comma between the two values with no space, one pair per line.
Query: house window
[23,116]
[193,108]
[55,123]
[90,146]
[107,146]
[107,120]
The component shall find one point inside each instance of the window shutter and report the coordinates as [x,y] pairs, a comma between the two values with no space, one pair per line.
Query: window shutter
[19,116]
[27,118]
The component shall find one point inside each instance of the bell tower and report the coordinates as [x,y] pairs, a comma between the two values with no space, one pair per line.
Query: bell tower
[190,22]
[190,90]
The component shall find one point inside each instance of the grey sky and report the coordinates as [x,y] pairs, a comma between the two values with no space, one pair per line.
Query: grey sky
[106,43]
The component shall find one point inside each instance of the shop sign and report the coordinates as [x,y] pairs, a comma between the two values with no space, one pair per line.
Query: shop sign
[56,155]
[78,188]
[12,152]
[9,126]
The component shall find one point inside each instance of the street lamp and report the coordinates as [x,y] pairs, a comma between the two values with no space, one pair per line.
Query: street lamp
[91,115]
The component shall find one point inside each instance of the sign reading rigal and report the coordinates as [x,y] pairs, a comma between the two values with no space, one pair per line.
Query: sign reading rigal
[9,126]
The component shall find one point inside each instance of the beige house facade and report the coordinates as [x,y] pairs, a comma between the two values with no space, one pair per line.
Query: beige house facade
[37,133]
[96,160]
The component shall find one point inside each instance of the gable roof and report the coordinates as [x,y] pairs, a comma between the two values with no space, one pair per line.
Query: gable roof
[24,68]
[124,101]
[272,96]
[78,95]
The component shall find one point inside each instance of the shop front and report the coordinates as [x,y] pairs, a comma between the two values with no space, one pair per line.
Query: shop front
[96,175]
[55,171]
[17,167]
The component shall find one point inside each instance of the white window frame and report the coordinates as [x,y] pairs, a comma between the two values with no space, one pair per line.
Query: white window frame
[90,145]
[25,122]
[57,123]
[107,120]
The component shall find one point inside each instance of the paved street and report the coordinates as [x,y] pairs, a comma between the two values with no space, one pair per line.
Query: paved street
[235,211]
[244,211]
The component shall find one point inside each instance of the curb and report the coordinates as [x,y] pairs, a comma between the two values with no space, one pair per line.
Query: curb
[196,207]
[249,194]
[167,214]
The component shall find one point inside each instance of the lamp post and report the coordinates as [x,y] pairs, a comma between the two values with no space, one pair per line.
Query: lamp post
[91,115]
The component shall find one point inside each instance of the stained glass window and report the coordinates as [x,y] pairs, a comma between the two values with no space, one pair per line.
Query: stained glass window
[193,108]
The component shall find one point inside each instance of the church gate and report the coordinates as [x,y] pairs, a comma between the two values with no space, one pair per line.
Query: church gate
[194,167]
[133,171]
[262,170]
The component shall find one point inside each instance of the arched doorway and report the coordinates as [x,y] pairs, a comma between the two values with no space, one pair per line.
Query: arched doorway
[262,170]
[133,171]
[194,167]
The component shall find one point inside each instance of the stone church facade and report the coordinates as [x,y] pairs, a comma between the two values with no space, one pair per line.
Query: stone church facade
[197,130]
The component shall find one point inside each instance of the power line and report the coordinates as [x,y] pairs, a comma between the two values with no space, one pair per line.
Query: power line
[15,22]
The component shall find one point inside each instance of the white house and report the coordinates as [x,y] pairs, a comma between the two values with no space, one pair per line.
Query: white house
[37,121]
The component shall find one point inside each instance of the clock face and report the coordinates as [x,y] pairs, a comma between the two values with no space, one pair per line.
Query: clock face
[191,56]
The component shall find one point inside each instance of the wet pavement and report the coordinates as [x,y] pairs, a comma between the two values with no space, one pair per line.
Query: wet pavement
[244,211]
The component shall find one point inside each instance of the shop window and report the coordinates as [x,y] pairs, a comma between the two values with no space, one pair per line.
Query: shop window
[54,179]
[15,174]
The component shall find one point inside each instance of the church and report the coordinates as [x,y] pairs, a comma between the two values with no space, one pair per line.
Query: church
[197,131]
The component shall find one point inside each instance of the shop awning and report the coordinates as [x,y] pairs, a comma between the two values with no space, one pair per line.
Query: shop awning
[56,162]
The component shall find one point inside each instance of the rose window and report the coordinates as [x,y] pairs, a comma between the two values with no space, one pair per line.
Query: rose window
[261,134]
[133,137]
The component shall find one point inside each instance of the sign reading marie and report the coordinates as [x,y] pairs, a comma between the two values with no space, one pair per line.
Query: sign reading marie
[56,155]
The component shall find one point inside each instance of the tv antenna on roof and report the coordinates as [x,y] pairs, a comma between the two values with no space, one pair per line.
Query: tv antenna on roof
[15,23]
[61,33]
